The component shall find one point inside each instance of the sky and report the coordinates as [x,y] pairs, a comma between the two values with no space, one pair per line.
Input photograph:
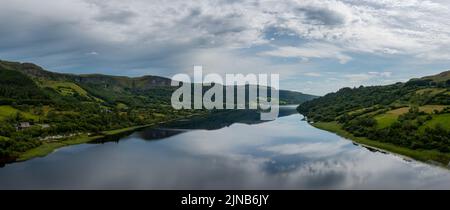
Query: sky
[316,46]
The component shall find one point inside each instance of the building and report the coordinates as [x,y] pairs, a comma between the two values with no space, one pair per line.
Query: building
[23,125]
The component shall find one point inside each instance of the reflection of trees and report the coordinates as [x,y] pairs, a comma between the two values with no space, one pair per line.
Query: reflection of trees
[220,119]
[215,120]
[155,134]
[287,110]
[112,138]
[145,134]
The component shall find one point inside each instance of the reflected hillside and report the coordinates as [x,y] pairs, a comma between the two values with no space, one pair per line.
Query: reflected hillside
[222,119]
[213,121]
[153,134]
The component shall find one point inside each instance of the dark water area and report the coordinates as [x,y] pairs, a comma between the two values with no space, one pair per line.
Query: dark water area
[225,151]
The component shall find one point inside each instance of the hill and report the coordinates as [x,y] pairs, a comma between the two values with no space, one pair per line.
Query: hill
[39,108]
[409,118]
[109,89]
[442,77]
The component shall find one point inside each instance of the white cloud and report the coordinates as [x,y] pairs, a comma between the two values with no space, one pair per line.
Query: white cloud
[316,150]
[161,37]
[307,51]
[358,77]
[223,61]
[93,53]
[312,74]
[381,74]
[363,77]
[419,28]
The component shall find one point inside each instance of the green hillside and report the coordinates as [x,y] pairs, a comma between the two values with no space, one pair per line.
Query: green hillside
[293,97]
[16,86]
[413,116]
[36,105]
[106,89]
[442,77]
[48,104]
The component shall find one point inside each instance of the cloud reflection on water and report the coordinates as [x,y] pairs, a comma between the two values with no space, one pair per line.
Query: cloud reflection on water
[283,154]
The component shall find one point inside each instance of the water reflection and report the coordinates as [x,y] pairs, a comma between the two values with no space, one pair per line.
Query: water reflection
[158,133]
[246,154]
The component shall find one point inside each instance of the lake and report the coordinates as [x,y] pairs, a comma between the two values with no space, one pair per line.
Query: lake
[224,151]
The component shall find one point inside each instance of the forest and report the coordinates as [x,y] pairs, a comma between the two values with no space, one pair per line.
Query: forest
[414,115]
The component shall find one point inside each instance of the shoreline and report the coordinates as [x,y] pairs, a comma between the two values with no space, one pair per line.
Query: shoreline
[49,147]
[432,157]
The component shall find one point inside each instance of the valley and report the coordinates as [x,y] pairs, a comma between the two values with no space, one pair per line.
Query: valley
[42,110]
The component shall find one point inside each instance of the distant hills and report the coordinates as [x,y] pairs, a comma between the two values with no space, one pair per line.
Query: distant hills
[37,83]
[411,118]
[42,110]
[49,87]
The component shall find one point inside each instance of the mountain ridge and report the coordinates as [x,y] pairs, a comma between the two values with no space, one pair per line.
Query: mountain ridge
[141,83]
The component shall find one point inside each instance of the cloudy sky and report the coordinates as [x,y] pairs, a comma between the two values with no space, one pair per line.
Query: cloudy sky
[316,46]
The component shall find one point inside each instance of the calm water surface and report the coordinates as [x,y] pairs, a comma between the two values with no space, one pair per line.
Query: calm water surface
[235,151]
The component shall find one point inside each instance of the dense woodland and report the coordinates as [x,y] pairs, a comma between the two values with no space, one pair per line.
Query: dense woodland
[414,114]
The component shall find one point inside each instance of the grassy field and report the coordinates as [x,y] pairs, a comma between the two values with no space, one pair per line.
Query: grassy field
[48,148]
[399,111]
[431,91]
[121,106]
[65,88]
[8,111]
[68,88]
[421,155]
[159,115]
[117,131]
[442,119]
[431,108]
[385,120]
